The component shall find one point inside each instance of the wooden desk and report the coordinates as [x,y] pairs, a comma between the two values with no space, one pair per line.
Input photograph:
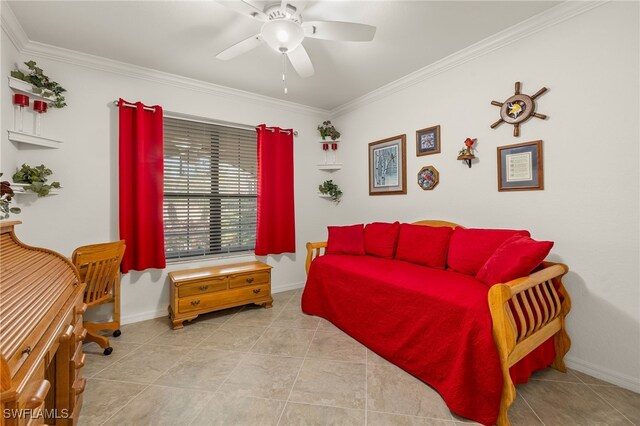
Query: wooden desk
[198,291]
[41,334]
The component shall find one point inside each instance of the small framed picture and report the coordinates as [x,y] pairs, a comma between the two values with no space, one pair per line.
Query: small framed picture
[520,167]
[388,166]
[428,141]
[428,178]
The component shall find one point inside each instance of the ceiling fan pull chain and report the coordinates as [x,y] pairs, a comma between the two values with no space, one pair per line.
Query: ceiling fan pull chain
[284,72]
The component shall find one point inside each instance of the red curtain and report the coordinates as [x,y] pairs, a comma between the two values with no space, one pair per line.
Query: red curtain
[141,186]
[276,229]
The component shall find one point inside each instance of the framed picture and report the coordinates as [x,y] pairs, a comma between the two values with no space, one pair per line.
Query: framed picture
[388,166]
[428,178]
[520,167]
[428,141]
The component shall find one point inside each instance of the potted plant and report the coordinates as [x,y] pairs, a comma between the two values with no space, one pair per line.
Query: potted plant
[327,130]
[6,195]
[331,189]
[42,84]
[35,179]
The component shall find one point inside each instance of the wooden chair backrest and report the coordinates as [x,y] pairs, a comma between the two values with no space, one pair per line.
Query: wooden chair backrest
[99,267]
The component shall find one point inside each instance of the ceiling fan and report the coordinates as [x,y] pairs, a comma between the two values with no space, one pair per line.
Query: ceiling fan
[284,30]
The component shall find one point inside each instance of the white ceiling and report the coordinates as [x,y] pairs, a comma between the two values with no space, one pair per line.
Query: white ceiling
[183,37]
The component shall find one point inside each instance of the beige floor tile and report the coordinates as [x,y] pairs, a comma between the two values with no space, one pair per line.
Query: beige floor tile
[340,347]
[262,376]
[158,406]
[392,390]
[225,410]
[143,331]
[284,341]
[567,404]
[555,376]
[234,337]
[293,317]
[283,297]
[144,365]
[623,400]
[103,398]
[324,382]
[520,414]
[216,317]
[327,326]
[190,335]
[374,358]
[296,414]
[96,360]
[375,418]
[590,380]
[255,316]
[202,368]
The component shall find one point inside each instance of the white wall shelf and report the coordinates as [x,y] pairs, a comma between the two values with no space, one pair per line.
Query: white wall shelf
[30,139]
[18,189]
[329,141]
[330,167]
[325,196]
[23,87]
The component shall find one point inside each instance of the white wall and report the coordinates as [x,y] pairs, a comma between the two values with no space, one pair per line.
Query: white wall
[590,204]
[86,210]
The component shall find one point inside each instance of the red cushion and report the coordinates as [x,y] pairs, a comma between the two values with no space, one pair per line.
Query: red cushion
[470,248]
[515,258]
[380,239]
[424,245]
[346,240]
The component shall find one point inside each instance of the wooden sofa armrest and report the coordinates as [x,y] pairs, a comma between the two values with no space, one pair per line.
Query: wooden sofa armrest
[313,251]
[540,302]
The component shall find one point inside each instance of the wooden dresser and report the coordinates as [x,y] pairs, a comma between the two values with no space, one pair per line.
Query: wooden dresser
[41,335]
[198,291]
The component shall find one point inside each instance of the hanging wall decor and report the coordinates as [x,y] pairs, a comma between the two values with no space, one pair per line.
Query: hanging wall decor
[428,141]
[428,178]
[520,167]
[518,109]
[388,166]
[466,153]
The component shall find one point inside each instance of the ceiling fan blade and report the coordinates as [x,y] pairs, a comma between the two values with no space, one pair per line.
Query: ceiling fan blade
[300,5]
[245,8]
[301,62]
[342,31]
[239,48]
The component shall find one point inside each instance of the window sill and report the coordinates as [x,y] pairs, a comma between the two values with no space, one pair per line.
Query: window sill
[211,257]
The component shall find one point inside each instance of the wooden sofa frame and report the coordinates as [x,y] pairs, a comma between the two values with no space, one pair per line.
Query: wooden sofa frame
[536,323]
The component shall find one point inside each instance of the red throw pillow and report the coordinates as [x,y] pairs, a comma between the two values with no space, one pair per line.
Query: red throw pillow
[380,239]
[470,248]
[346,240]
[424,245]
[515,258]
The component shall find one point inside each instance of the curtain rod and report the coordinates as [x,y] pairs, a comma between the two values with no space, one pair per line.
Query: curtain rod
[271,129]
[117,103]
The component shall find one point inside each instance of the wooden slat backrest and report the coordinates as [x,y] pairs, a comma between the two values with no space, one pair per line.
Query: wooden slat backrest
[99,267]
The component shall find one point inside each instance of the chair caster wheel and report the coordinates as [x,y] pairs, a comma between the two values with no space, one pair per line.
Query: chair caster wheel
[117,333]
[108,350]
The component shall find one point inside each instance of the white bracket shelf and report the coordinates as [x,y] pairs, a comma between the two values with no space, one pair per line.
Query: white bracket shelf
[30,139]
[24,87]
[329,141]
[18,189]
[325,196]
[330,167]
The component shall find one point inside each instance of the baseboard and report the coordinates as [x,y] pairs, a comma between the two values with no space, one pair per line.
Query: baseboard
[143,316]
[613,377]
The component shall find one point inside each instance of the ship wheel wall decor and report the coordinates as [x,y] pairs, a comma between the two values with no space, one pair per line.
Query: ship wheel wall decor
[518,109]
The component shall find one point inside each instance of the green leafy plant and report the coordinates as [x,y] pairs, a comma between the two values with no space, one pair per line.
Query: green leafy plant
[36,178]
[6,195]
[330,188]
[41,83]
[327,130]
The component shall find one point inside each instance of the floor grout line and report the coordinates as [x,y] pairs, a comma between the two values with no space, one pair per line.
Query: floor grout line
[608,403]
[298,374]
[530,407]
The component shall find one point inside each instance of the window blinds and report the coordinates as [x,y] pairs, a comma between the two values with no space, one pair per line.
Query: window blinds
[210,188]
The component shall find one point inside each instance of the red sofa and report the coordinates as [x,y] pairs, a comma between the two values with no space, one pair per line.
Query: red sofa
[415,295]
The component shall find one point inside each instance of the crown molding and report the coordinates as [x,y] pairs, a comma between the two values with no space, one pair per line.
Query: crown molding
[526,28]
[12,27]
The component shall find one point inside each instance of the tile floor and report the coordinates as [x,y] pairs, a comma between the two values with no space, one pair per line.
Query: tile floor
[255,366]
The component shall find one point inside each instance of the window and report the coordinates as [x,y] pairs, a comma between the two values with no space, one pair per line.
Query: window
[210,189]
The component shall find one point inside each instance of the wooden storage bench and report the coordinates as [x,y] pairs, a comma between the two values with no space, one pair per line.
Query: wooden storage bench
[198,291]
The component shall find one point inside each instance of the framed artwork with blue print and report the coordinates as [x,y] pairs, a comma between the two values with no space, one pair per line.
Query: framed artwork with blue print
[520,167]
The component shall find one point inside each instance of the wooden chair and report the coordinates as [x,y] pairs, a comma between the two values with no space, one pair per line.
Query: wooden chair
[99,267]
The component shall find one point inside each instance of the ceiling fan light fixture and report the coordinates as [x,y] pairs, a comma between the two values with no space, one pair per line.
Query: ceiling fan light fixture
[282,35]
